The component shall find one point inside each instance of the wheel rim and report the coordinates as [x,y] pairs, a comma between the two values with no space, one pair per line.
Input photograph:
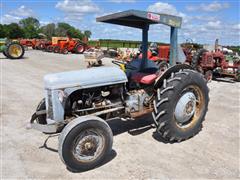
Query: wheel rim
[189,107]
[15,50]
[65,51]
[89,145]
[80,49]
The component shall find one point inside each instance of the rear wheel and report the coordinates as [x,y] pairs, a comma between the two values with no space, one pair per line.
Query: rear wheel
[15,50]
[181,105]
[41,46]
[65,51]
[50,49]
[79,49]
[5,54]
[196,58]
[56,49]
[84,143]
[238,75]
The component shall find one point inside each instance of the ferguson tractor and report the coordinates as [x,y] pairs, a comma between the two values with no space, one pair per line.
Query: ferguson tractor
[11,49]
[78,104]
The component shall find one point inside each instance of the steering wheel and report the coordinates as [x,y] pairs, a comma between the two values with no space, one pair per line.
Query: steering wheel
[127,65]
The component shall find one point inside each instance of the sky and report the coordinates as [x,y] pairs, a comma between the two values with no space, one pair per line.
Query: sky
[203,20]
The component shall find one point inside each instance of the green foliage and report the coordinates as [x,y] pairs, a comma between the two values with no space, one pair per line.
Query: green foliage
[3,31]
[12,31]
[87,33]
[64,29]
[49,30]
[15,31]
[234,48]
[30,27]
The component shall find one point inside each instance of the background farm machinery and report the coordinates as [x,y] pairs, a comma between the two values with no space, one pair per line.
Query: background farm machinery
[38,44]
[57,45]
[212,63]
[11,49]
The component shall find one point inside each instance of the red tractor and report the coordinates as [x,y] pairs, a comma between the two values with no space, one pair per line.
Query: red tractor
[70,45]
[213,64]
[43,44]
[29,42]
[39,44]
[161,54]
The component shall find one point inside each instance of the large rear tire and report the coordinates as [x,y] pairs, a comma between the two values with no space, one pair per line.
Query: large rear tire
[56,49]
[180,106]
[49,48]
[79,49]
[15,50]
[84,143]
[5,54]
[196,58]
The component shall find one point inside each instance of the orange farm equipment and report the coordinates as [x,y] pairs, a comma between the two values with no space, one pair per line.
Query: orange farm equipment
[34,43]
[29,42]
[65,45]
[70,45]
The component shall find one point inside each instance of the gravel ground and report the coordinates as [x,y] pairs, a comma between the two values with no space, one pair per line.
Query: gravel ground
[213,153]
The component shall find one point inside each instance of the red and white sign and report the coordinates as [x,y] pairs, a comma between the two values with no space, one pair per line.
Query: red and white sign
[154,17]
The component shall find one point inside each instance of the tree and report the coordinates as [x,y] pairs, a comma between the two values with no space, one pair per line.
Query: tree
[48,30]
[87,33]
[3,31]
[30,26]
[64,29]
[15,31]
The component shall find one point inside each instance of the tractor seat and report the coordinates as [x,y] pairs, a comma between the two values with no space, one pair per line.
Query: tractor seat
[144,78]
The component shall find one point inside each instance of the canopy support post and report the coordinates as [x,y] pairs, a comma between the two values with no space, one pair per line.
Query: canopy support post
[144,46]
[173,46]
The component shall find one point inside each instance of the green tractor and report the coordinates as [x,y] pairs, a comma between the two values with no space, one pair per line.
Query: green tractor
[11,49]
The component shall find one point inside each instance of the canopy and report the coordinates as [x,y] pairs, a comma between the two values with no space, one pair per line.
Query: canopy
[142,20]
[139,19]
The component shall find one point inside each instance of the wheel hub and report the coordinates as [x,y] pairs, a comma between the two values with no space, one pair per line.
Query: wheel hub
[15,50]
[185,107]
[88,147]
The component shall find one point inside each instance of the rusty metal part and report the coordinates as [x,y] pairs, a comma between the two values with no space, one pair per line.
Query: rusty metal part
[140,113]
[89,145]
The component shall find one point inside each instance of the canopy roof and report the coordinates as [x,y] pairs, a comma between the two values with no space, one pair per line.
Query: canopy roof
[139,19]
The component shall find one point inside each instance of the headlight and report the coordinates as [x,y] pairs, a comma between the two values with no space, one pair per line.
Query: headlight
[61,95]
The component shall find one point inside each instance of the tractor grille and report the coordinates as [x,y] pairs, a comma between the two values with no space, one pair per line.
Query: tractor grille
[50,106]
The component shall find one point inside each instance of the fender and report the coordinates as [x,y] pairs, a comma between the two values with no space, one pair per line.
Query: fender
[168,72]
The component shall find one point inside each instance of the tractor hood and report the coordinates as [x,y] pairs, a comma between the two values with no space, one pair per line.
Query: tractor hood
[86,78]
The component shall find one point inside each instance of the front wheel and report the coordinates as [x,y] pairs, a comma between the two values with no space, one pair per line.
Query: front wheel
[180,105]
[84,143]
[42,119]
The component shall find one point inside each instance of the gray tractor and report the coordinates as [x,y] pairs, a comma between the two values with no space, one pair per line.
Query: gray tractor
[78,104]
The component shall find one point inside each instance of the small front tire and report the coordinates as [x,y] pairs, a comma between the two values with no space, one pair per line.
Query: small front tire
[41,119]
[84,143]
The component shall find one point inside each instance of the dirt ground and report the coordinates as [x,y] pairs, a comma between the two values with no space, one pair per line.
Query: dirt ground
[213,153]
